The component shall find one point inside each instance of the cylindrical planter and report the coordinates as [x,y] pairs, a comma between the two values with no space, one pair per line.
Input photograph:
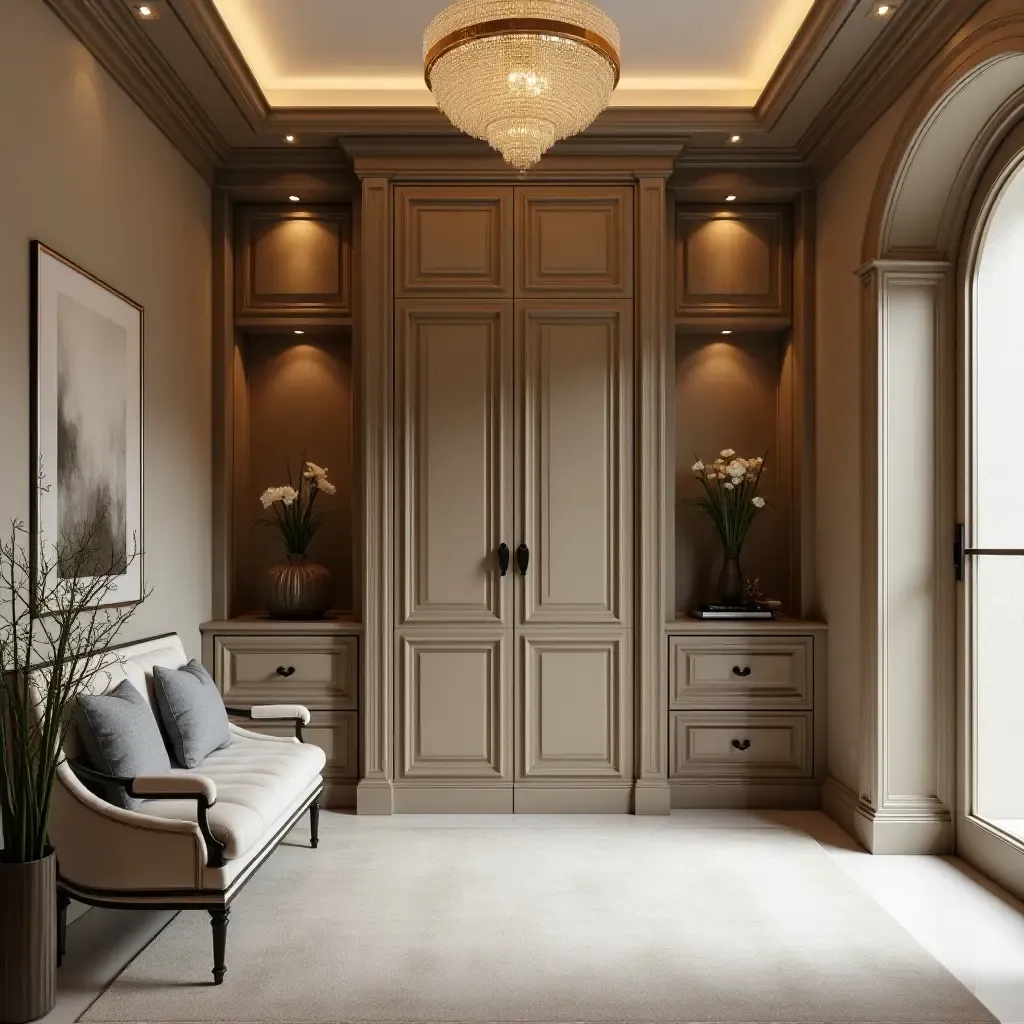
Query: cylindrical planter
[298,589]
[28,939]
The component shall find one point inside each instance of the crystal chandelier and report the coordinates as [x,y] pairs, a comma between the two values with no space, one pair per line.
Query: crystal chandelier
[521,74]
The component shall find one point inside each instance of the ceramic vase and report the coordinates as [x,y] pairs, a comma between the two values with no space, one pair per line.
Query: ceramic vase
[731,583]
[298,589]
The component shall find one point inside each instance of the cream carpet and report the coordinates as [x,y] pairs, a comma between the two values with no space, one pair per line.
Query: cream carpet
[612,924]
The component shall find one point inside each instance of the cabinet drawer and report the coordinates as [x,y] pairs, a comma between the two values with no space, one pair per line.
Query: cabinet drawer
[742,672]
[737,744]
[320,672]
[335,732]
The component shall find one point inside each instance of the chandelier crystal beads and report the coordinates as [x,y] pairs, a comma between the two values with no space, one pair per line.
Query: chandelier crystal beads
[521,74]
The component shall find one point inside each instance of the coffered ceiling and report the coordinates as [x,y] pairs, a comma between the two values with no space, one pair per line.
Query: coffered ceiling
[675,53]
[290,83]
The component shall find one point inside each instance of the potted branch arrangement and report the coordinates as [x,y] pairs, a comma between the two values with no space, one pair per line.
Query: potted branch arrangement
[52,616]
[298,588]
[731,502]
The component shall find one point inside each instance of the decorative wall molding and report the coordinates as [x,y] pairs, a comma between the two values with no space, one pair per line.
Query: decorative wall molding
[154,67]
[915,35]
[110,31]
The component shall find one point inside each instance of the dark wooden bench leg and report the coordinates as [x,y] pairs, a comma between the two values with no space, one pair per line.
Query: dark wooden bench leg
[314,824]
[63,902]
[219,919]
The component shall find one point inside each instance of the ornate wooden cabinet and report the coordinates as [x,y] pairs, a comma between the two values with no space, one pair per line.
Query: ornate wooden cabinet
[514,495]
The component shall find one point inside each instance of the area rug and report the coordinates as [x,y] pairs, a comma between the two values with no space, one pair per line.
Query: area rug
[562,925]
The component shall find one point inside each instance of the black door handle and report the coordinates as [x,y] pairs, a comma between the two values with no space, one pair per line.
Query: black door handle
[741,744]
[286,672]
[503,557]
[742,672]
[523,558]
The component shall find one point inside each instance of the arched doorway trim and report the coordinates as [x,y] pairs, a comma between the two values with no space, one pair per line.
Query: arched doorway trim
[911,309]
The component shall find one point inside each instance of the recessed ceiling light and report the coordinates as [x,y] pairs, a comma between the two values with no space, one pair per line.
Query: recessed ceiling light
[146,12]
[882,10]
[736,138]
[294,199]
[289,138]
[730,199]
[298,332]
[727,332]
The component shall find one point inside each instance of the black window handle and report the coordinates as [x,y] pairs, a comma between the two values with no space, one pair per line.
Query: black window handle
[503,557]
[741,744]
[523,558]
[286,672]
[741,672]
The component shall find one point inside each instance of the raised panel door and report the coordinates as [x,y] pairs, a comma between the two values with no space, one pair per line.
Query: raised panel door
[575,461]
[574,708]
[454,438]
[453,240]
[454,706]
[574,241]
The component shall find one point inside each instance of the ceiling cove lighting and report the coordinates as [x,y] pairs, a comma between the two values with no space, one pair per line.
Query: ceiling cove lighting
[521,74]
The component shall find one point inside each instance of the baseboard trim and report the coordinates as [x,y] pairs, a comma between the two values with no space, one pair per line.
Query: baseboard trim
[374,796]
[776,796]
[420,799]
[839,802]
[652,797]
[896,832]
[572,799]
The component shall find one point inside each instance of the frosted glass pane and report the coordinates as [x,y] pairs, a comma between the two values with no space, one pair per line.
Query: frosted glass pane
[999,666]
[999,376]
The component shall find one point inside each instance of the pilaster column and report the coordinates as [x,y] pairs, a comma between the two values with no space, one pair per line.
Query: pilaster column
[654,336]
[376,350]
[907,779]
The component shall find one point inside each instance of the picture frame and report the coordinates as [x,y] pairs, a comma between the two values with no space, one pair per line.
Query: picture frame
[86,414]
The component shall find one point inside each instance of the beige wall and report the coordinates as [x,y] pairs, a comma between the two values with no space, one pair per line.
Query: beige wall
[84,171]
[843,201]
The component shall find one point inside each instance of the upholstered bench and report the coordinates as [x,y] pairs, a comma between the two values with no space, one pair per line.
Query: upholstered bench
[194,836]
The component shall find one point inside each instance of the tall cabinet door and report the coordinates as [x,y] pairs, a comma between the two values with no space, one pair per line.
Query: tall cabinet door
[574,483]
[454,367]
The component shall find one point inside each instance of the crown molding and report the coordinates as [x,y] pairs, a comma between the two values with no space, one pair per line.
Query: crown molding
[207,29]
[917,34]
[109,30]
[816,33]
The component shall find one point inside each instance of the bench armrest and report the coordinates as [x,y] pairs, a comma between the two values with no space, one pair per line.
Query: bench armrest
[177,786]
[270,712]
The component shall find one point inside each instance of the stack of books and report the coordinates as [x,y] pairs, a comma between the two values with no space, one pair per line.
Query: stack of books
[733,611]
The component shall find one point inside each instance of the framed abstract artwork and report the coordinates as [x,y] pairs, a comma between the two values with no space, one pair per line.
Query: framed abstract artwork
[86,415]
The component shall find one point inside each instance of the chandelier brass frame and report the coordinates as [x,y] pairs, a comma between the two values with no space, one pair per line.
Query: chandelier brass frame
[521,26]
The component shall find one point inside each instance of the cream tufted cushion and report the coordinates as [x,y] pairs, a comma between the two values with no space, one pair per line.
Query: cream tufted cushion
[257,779]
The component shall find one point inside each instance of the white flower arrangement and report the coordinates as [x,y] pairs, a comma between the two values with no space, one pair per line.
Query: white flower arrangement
[293,508]
[730,496]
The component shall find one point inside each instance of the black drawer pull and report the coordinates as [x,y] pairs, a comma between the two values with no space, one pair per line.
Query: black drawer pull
[741,744]
[503,558]
[741,672]
[285,672]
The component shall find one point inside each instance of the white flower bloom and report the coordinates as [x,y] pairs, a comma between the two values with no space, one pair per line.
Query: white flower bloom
[288,494]
[326,486]
[729,486]
[698,467]
[736,469]
[273,494]
[757,502]
[727,453]
[721,474]
[314,472]
[711,474]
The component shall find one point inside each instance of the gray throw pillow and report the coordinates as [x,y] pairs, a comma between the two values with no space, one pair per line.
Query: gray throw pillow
[192,711]
[121,737]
